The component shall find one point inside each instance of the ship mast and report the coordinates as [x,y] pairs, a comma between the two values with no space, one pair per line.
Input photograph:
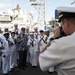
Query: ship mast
[40,7]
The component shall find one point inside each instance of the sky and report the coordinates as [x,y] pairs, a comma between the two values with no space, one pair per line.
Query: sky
[51,5]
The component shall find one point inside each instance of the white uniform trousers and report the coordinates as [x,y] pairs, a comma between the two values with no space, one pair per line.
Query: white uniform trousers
[13,56]
[33,57]
[42,46]
[5,63]
[12,59]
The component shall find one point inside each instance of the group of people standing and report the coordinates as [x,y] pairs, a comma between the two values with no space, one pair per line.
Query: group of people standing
[21,46]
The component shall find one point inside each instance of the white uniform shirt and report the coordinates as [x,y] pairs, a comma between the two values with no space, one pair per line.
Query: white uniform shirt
[42,43]
[6,45]
[35,44]
[6,49]
[18,31]
[61,53]
[13,47]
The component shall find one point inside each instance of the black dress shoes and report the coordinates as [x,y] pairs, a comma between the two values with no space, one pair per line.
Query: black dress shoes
[22,68]
[26,66]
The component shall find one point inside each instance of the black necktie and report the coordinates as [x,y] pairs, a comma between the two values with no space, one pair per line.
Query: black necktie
[9,42]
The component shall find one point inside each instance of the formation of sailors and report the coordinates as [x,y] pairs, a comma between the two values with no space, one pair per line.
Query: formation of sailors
[22,46]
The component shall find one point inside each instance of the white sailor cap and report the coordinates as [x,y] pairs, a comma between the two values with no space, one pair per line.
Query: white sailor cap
[66,12]
[12,32]
[27,27]
[35,27]
[15,24]
[31,34]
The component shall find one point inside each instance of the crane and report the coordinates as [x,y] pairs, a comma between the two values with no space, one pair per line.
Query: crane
[40,7]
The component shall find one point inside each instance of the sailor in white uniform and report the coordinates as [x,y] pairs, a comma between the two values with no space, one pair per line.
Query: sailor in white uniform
[1,48]
[36,33]
[6,54]
[13,59]
[61,52]
[17,32]
[28,34]
[42,40]
[33,49]
[16,29]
